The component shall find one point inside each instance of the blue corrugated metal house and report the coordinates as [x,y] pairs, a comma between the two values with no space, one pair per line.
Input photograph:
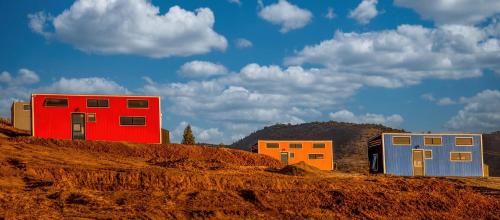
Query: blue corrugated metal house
[409,154]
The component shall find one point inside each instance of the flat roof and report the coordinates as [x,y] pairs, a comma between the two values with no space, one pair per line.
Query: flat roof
[430,134]
[295,140]
[107,95]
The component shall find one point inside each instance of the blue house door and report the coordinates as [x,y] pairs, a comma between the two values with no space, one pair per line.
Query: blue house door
[418,163]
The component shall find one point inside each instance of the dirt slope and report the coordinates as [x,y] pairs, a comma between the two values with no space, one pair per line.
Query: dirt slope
[349,140]
[62,179]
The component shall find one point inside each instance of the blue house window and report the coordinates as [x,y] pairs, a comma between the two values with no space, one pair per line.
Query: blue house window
[464,141]
[461,156]
[433,141]
[401,140]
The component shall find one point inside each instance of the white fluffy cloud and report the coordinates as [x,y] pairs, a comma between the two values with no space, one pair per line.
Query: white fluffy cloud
[90,85]
[441,101]
[481,113]
[25,82]
[16,87]
[365,11]
[131,27]
[407,55]
[330,14]
[289,16]
[257,96]
[209,135]
[243,43]
[346,116]
[198,68]
[453,11]
[238,2]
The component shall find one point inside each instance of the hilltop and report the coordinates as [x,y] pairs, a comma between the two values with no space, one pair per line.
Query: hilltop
[349,140]
[46,178]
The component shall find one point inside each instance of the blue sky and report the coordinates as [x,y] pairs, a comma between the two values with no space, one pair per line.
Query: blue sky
[231,67]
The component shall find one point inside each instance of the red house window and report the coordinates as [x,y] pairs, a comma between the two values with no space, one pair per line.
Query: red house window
[97,103]
[132,120]
[137,103]
[52,102]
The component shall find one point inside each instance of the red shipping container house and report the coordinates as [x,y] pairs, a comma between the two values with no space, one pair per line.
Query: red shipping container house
[97,117]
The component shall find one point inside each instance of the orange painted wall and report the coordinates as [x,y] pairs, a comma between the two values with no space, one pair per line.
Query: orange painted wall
[300,154]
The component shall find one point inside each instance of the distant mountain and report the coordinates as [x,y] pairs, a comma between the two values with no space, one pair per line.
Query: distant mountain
[491,147]
[349,140]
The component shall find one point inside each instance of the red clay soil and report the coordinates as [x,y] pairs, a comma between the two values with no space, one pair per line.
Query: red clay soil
[62,179]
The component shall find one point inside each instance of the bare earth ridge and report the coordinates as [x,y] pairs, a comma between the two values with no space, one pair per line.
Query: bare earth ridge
[43,179]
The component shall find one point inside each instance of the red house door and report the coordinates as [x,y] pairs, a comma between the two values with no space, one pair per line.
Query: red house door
[78,126]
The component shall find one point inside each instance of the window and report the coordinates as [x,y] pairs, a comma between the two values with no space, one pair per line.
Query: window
[316,156]
[319,145]
[97,103]
[461,156]
[463,141]
[272,145]
[137,103]
[433,141]
[91,117]
[26,107]
[375,162]
[428,154]
[126,120]
[292,155]
[52,102]
[401,140]
[295,145]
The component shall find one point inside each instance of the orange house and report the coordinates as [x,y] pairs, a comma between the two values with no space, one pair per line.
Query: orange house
[313,152]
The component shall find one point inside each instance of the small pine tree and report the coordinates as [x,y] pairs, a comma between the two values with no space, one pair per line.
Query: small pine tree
[188,137]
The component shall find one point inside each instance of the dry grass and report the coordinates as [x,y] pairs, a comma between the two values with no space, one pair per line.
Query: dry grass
[62,179]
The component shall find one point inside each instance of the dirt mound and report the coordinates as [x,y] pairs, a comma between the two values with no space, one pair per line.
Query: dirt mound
[168,154]
[300,169]
[101,180]
[7,129]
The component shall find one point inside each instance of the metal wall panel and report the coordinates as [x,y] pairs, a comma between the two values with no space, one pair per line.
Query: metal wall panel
[398,159]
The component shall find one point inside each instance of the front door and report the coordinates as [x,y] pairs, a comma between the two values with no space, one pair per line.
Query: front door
[284,158]
[418,163]
[78,126]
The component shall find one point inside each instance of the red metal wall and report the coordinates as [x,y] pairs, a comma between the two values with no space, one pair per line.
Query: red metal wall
[55,122]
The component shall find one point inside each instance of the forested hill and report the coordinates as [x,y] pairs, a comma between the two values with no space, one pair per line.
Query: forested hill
[349,139]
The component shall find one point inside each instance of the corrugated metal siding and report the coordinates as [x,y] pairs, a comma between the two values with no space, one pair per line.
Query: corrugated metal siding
[55,122]
[398,159]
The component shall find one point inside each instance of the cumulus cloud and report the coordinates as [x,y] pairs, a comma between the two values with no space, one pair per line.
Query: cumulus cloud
[365,11]
[481,113]
[445,101]
[14,88]
[369,118]
[453,11]
[428,97]
[198,68]
[89,85]
[256,96]
[243,43]
[26,82]
[330,14]
[131,27]
[238,2]
[209,135]
[407,55]
[288,16]
[439,101]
